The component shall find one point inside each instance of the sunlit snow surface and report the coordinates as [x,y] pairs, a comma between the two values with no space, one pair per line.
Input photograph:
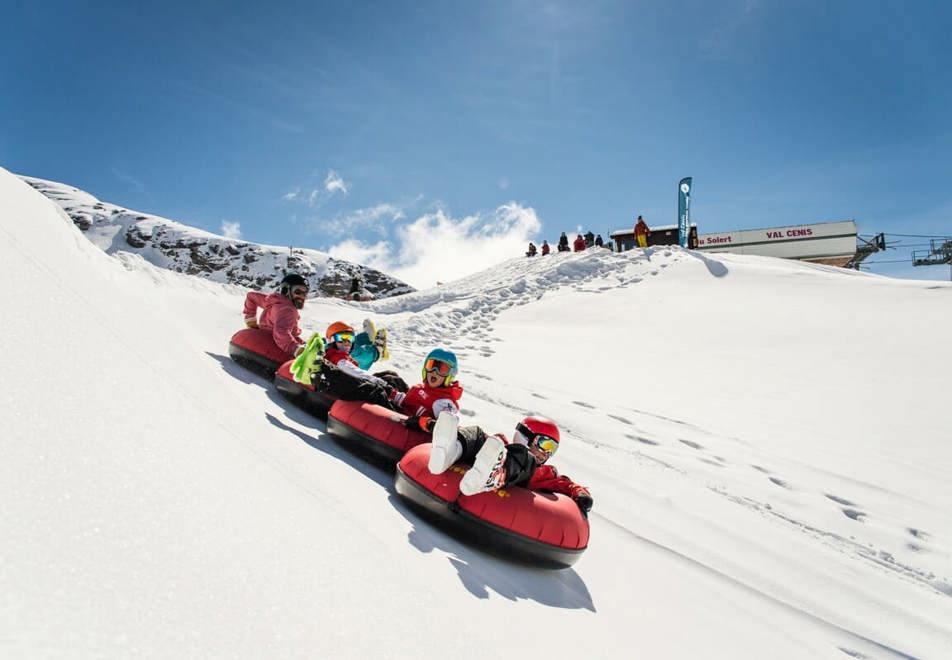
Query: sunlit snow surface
[767,444]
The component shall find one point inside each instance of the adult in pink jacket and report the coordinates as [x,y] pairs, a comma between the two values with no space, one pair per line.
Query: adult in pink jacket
[280,316]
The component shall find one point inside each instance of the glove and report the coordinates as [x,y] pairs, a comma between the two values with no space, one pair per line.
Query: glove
[251,322]
[584,502]
[420,423]
[297,351]
[396,396]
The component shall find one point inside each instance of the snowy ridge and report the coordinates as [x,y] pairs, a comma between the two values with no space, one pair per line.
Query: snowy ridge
[178,247]
[757,493]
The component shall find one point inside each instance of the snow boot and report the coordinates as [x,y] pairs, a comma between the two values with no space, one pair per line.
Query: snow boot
[446,449]
[381,344]
[489,471]
[370,329]
[309,362]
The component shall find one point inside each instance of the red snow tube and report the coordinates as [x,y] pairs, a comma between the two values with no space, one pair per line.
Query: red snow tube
[314,401]
[372,429]
[544,529]
[254,349]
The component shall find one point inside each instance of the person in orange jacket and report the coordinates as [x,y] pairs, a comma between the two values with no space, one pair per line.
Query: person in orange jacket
[641,232]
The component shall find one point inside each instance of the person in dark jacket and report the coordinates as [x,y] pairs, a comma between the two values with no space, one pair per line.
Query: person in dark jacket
[531,252]
[545,248]
[589,239]
[563,243]
[599,242]
[499,462]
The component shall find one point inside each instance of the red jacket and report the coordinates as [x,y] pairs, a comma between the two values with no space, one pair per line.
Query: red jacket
[335,355]
[545,249]
[421,399]
[546,478]
[579,244]
[280,316]
[641,229]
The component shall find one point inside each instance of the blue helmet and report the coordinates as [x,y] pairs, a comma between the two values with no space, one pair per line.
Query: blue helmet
[446,357]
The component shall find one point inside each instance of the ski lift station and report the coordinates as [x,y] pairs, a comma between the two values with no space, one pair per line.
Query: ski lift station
[831,243]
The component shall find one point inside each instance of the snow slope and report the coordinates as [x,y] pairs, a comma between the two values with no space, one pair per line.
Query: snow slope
[763,440]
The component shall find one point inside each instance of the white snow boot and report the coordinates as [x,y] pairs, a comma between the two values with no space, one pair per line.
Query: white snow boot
[446,449]
[489,471]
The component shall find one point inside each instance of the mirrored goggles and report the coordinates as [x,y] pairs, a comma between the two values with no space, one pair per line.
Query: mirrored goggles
[440,367]
[546,443]
[343,336]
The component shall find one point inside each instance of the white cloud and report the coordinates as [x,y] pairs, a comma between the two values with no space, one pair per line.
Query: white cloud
[437,247]
[292,195]
[360,221]
[334,183]
[231,229]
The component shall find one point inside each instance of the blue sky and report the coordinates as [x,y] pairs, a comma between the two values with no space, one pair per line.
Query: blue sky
[400,133]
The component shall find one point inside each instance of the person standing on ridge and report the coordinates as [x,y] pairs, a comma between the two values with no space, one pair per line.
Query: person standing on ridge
[280,316]
[563,243]
[641,232]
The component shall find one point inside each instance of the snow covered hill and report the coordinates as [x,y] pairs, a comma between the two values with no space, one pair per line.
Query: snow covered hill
[765,442]
[169,244]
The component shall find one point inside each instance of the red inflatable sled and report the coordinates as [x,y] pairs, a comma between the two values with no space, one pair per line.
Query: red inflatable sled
[254,349]
[314,401]
[370,429]
[544,529]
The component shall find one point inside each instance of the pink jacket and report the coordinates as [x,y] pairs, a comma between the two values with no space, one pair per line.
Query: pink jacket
[280,316]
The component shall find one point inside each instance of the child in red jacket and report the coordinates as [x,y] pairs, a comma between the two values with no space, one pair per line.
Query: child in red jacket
[499,462]
[438,393]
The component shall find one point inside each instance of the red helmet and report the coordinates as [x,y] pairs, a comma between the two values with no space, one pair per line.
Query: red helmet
[540,435]
[335,327]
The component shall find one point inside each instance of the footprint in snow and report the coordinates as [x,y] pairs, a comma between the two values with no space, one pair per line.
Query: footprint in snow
[779,482]
[853,514]
[621,419]
[584,405]
[711,462]
[839,500]
[918,533]
[689,443]
[467,412]
[539,396]
[760,469]
[640,439]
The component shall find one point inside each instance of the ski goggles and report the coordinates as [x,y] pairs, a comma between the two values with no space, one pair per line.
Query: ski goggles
[343,336]
[545,443]
[299,291]
[438,366]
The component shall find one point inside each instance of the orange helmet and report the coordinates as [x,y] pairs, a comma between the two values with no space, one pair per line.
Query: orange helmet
[335,327]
